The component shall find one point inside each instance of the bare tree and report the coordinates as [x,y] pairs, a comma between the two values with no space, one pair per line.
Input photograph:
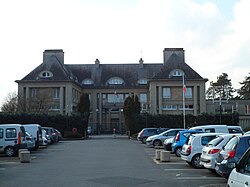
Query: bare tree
[10,103]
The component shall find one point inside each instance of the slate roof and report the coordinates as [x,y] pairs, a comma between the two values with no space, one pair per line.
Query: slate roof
[100,73]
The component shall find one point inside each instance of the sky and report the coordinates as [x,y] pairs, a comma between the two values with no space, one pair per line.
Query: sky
[213,33]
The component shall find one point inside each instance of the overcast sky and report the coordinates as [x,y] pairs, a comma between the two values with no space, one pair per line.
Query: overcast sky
[215,34]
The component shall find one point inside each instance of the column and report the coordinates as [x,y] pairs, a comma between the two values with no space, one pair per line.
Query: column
[195,101]
[160,99]
[61,100]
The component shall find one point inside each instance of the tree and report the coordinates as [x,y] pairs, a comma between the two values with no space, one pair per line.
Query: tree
[221,89]
[83,108]
[132,108]
[244,91]
[10,103]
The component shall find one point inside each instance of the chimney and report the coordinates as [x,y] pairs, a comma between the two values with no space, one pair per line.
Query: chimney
[141,63]
[58,53]
[169,51]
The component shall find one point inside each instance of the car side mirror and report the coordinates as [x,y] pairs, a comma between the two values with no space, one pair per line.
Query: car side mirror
[223,147]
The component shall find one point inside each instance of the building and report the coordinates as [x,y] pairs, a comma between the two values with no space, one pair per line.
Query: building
[56,87]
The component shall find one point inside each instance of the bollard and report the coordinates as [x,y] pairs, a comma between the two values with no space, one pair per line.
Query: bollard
[114,131]
[165,156]
[24,156]
[157,154]
[20,150]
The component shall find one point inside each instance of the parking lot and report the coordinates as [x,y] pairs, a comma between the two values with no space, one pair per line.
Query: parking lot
[102,161]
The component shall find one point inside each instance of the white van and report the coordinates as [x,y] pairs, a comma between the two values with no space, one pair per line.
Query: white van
[36,131]
[211,128]
[12,138]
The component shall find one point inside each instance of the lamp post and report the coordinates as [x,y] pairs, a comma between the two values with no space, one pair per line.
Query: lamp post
[97,121]
[121,111]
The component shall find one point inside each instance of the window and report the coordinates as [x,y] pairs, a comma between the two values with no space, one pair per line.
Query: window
[187,107]
[143,97]
[169,107]
[142,81]
[189,94]
[176,73]
[1,133]
[115,98]
[87,82]
[46,74]
[206,139]
[209,130]
[247,109]
[56,93]
[166,93]
[33,92]
[115,80]
[11,133]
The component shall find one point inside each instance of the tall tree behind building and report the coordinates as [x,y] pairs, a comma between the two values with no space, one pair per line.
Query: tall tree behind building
[244,91]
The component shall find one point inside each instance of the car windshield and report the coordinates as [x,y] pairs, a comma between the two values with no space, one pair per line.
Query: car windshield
[214,142]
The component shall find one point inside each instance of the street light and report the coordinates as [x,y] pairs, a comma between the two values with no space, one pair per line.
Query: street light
[97,121]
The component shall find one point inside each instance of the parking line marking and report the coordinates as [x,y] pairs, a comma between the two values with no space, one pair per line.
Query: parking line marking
[200,178]
[181,169]
[2,169]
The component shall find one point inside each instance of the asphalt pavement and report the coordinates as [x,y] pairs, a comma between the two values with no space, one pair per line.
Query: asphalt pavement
[101,161]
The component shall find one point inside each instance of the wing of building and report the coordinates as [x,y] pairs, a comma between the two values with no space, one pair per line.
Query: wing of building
[56,87]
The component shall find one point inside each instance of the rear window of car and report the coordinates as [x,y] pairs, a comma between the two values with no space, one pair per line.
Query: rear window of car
[190,139]
[216,141]
[232,144]
[234,130]
[206,139]
[152,131]
[210,130]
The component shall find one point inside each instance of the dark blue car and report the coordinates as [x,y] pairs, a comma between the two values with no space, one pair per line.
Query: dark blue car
[180,140]
[231,154]
[146,132]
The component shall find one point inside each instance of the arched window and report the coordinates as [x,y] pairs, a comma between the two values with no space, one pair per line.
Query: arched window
[115,80]
[142,81]
[87,82]
[46,74]
[176,73]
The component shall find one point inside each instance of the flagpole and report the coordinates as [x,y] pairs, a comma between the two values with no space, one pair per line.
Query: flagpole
[183,101]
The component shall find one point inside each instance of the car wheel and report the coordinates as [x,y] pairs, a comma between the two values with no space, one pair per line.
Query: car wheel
[196,161]
[9,151]
[157,143]
[143,140]
[178,151]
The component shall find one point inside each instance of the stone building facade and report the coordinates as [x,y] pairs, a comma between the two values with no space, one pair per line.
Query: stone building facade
[56,87]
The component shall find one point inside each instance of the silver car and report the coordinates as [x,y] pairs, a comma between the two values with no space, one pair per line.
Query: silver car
[157,140]
[210,151]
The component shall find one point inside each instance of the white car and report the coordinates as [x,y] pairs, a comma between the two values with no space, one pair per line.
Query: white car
[239,177]
[157,140]
[191,151]
[210,151]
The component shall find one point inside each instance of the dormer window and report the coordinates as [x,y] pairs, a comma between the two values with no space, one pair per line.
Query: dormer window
[176,73]
[87,82]
[46,74]
[115,80]
[142,81]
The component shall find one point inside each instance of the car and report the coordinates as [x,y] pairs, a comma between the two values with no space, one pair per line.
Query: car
[180,139]
[192,149]
[211,150]
[146,132]
[30,141]
[157,140]
[167,144]
[211,128]
[46,139]
[90,130]
[231,154]
[239,177]
[58,134]
[12,138]
[50,131]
